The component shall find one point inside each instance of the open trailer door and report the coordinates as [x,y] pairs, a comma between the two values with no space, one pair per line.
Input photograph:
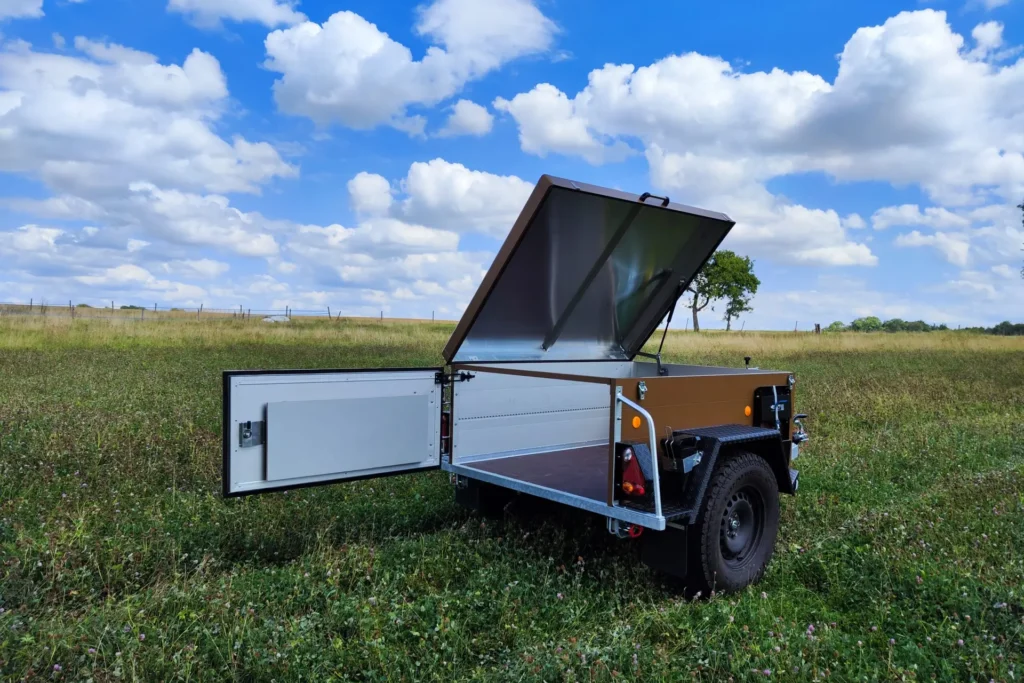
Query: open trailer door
[293,428]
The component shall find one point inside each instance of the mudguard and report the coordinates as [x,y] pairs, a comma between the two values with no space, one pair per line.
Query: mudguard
[767,443]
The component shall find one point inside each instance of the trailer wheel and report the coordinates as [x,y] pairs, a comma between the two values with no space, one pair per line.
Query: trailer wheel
[739,520]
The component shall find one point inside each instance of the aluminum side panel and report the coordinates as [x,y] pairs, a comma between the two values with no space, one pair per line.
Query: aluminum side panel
[327,426]
[496,413]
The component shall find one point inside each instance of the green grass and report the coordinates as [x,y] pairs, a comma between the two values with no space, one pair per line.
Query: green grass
[119,560]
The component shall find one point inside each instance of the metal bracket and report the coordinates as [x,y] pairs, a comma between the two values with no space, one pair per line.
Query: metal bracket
[442,378]
[776,407]
[641,390]
[801,433]
[691,462]
[251,433]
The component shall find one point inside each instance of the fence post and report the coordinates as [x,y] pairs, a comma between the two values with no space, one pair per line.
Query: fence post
[199,311]
[30,305]
[71,309]
[328,312]
[143,314]
[250,314]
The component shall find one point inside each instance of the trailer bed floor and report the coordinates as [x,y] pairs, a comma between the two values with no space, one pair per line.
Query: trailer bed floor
[580,471]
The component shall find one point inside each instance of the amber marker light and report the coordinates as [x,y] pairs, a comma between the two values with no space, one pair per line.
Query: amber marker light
[636,422]
[747,411]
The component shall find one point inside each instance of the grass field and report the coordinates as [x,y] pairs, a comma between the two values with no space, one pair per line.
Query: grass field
[901,559]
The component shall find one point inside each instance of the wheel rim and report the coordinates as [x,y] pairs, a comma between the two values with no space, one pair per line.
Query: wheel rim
[742,526]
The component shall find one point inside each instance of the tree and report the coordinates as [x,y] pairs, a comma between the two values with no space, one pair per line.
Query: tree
[895,325]
[837,326]
[724,276]
[868,324]
[734,308]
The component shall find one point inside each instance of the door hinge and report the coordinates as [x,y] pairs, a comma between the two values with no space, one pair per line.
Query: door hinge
[251,433]
[443,378]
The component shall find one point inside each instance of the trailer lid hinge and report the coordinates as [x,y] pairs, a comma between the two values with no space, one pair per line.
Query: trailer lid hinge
[251,433]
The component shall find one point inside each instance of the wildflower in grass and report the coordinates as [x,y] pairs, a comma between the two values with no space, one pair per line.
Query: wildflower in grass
[92,650]
[767,672]
[372,600]
[142,636]
[874,628]
[892,641]
[57,668]
[960,643]
[860,643]
[560,596]
[764,596]
[920,580]
[636,661]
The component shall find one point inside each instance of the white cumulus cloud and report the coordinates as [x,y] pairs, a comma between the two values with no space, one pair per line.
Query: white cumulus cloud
[209,13]
[350,72]
[467,118]
[449,195]
[20,9]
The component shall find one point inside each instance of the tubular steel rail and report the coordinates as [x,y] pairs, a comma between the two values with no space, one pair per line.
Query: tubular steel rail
[619,398]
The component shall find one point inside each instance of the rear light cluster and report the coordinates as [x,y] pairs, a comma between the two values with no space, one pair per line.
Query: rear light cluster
[633,481]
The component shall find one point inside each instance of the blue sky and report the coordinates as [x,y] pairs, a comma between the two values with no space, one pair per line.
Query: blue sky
[369,156]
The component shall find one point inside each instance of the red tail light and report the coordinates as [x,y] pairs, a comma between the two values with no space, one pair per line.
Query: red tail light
[633,482]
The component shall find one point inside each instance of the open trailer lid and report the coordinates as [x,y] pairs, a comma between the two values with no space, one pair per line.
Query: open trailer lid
[587,273]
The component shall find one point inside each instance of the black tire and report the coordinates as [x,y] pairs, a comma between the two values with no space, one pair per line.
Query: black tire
[734,537]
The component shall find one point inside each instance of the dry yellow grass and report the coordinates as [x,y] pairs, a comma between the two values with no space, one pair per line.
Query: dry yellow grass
[18,332]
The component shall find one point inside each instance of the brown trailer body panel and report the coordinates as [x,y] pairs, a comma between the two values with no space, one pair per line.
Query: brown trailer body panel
[691,402]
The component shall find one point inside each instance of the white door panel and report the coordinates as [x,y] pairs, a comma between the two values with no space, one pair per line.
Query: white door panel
[300,428]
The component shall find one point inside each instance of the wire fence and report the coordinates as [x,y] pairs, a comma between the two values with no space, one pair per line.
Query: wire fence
[157,312]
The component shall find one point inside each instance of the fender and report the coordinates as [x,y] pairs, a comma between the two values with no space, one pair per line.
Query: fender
[715,443]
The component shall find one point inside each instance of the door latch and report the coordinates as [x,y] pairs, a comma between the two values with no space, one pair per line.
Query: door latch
[251,433]
[641,390]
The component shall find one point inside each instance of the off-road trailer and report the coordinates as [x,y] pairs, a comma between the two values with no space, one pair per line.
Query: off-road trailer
[542,395]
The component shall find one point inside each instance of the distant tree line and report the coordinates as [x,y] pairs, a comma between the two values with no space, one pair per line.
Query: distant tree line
[875,324]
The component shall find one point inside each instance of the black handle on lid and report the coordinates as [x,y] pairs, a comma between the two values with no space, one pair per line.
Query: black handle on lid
[648,195]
